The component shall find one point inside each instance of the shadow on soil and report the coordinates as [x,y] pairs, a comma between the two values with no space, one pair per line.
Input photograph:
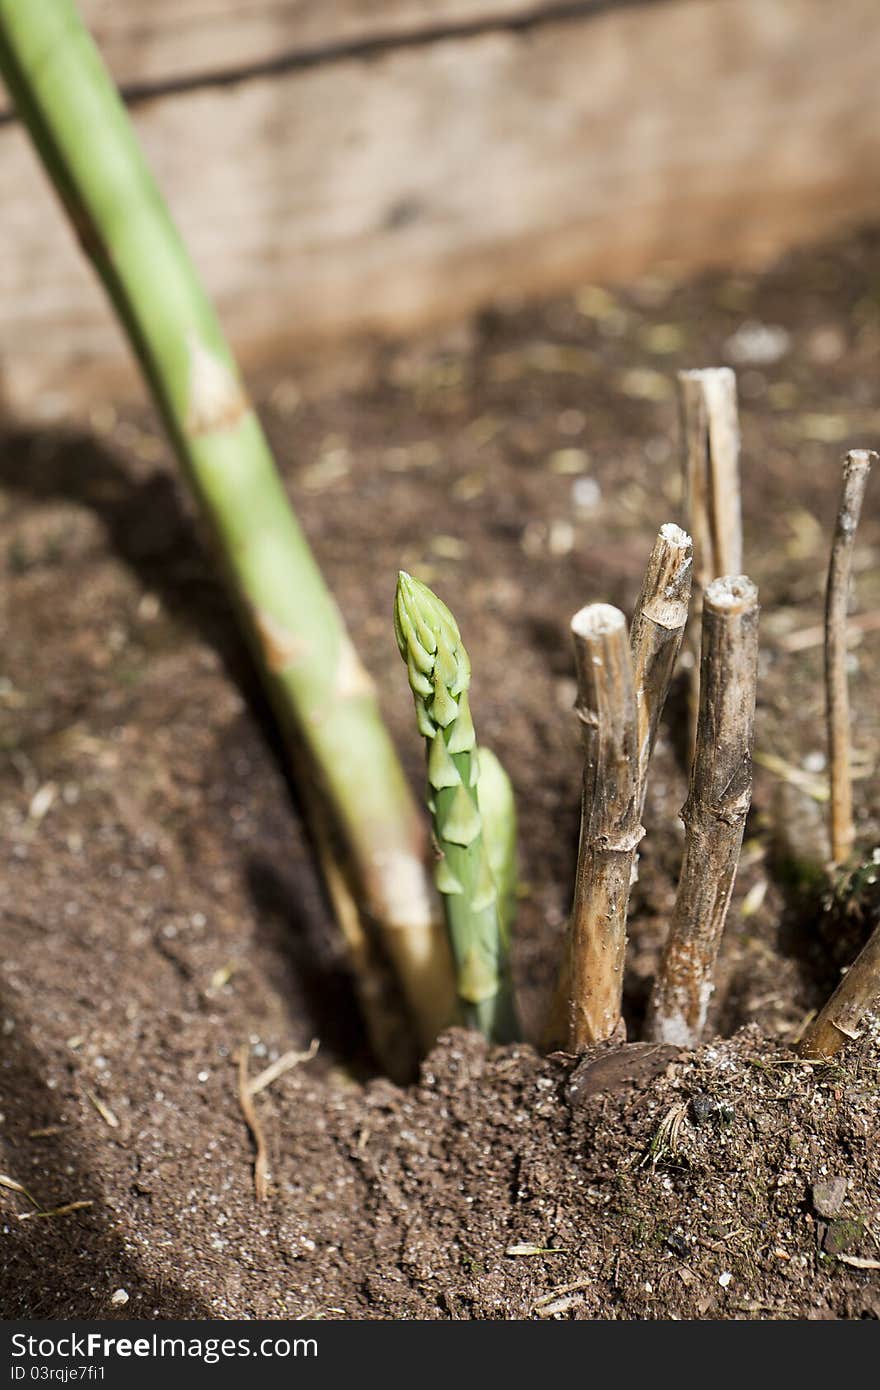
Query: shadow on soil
[316,974]
[149,527]
[65,1265]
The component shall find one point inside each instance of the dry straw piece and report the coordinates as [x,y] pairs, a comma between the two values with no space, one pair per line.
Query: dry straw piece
[610,828]
[714,814]
[856,467]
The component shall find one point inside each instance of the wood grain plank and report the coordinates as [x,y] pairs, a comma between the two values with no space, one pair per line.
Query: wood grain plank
[383,195]
[152,42]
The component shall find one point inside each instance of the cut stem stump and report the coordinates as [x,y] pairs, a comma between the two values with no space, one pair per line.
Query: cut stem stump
[715,812]
[610,828]
[856,468]
[655,637]
[710,428]
[841,1018]
[710,435]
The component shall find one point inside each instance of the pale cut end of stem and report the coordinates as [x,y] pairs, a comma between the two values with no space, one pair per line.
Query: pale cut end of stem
[841,1019]
[596,621]
[856,468]
[610,829]
[732,594]
[655,637]
[714,815]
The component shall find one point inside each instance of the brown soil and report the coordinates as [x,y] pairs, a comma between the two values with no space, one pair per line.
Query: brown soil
[160,907]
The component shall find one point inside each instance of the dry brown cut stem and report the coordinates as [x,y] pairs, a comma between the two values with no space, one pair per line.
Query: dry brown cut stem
[856,467]
[710,426]
[841,1018]
[715,811]
[610,829]
[655,637]
[710,434]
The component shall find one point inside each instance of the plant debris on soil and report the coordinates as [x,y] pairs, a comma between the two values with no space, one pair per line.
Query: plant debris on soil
[161,911]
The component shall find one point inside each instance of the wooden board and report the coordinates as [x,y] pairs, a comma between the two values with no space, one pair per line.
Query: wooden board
[157,44]
[381,195]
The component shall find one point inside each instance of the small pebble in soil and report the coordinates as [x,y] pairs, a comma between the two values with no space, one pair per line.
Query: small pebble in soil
[760,344]
[829,1195]
[586,494]
[725,1278]
[569,461]
[826,344]
[571,422]
[119,1298]
[814,761]
[843,1234]
[702,1107]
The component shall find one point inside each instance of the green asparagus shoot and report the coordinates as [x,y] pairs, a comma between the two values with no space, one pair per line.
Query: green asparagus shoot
[476,906]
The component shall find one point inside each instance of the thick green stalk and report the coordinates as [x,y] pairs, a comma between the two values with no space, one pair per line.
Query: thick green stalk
[439,675]
[321,693]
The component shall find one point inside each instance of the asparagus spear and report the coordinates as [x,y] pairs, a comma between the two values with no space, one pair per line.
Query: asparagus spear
[498,810]
[365,821]
[439,673]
